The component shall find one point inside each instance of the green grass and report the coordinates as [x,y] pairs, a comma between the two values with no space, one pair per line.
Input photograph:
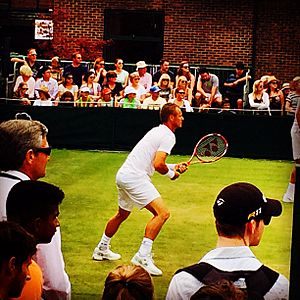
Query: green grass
[88,180]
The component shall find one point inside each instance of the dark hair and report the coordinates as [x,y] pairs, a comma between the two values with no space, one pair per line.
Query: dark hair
[29,200]
[162,61]
[15,242]
[230,231]
[180,72]
[74,54]
[203,70]
[66,94]
[111,74]
[87,75]
[128,283]
[167,110]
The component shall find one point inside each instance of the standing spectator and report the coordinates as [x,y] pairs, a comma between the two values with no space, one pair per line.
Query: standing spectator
[99,70]
[139,89]
[234,86]
[22,94]
[76,69]
[45,98]
[94,87]
[208,89]
[68,85]
[117,90]
[180,101]
[26,77]
[241,212]
[56,69]
[165,86]
[136,189]
[164,69]
[122,75]
[154,101]
[47,81]
[259,99]
[130,100]
[295,97]
[145,77]
[276,97]
[29,61]
[16,251]
[184,70]
[24,154]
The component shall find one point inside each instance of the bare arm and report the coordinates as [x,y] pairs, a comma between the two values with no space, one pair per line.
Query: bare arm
[161,167]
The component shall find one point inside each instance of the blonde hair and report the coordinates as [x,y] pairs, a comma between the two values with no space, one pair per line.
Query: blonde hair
[294,83]
[128,282]
[162,77]
[255,87]
[26,71]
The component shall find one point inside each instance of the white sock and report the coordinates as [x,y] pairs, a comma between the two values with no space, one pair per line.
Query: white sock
[146,247]
[291,189]
[104,242]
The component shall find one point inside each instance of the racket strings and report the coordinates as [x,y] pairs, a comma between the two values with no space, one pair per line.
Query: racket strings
[211,148]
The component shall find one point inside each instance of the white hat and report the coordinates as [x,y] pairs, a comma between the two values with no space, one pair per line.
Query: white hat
[85,89]
[140,65]
[129,90]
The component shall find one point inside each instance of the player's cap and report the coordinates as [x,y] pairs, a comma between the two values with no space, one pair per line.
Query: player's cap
[154,89]
[241,202]
[84,89]
[141,65]
[106,91]
[129,90]
[44,90]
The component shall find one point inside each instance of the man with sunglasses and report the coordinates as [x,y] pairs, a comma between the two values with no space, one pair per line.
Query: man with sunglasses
[241,212]
[24,154]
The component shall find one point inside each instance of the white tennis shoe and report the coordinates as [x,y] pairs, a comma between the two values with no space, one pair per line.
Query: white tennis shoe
[105,255]
[147,263]
[288,198]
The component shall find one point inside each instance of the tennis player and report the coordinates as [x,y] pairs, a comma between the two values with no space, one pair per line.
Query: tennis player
[136,189]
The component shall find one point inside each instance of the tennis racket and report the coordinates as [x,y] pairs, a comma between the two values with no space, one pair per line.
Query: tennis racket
[210,148]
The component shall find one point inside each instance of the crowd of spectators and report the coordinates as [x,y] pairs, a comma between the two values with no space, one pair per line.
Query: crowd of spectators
[200,91]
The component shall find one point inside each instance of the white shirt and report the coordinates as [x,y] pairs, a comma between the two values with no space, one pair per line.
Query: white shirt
[149,103]
[52,85]
[39,102]
[183,285]
[146,81]
[30,83]
[140,160]
[263,105]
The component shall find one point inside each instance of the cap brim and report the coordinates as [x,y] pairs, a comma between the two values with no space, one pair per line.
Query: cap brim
[273,208]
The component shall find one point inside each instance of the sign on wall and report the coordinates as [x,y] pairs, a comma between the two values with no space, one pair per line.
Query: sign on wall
[43,30]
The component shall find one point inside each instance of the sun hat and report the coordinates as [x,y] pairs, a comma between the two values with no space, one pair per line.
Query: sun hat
[285,86]
[129,90]
[155,89]
[272,78]
[44,90]
[241,202]
[85,89]
[140,65]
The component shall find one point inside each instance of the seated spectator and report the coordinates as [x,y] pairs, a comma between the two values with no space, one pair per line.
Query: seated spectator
[45,98]
[56,69]
[184,70]
[106,99]
[84,100]
[67,99]
[94,87]
[68,85]
[47,81]
[234,86]
[122,75]
[139,89]
[99,70]
[154,101]
[22,94]
[276,97]
[259,99]
[130,100]
[128,283]
[39,218]
[165,86]
[16,251]
[241,213]
[208,89]
[226,108]
[26,76]
[145,77]
[180,101]
[117,90]
[265,80]
[182,83]
[164,69]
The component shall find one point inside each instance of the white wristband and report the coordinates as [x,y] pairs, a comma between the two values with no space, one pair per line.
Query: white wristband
[171,166]
[170,174]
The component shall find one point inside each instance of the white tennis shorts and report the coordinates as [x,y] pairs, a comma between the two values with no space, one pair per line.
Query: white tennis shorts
[295,133]
[135,191]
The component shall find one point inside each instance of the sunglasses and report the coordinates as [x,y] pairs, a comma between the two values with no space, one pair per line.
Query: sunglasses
[185,66]
[69,77]
[46,150]
[182,93]
[274,82]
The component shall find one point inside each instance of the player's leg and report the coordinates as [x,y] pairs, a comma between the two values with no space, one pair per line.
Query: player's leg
[290,191]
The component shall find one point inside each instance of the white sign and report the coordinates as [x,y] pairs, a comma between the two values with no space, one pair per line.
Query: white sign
[43,30]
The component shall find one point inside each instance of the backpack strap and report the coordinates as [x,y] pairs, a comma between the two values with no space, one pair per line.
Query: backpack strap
[10,176]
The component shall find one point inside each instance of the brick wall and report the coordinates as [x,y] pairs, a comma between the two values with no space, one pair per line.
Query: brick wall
[263,34]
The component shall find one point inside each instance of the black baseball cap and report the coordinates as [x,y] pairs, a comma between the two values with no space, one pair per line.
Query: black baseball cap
[241,202]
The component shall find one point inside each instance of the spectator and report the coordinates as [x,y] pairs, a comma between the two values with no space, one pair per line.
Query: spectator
[180,101]
[288,197]
[47,81]
[128,283]
[208,89]
[145,77]
[99,70]
[29,61]
[164,69]
[76,69]
[291,102]
[45,98]
[130,100]
[241,212]
[226,108]
[235,84]
[24,153]
[154,101]
[184,70]
[22,94]
[182,83]
[259,99]
[117,90]
[139,89]
[56,69]
[26,76]
[68,85]
[276,97]
[85,100]
[265,80]
[67,99]
[94,87]
[122,75]
[164,84]
[16,251]
[106,98]
[285,91]
[39,218]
